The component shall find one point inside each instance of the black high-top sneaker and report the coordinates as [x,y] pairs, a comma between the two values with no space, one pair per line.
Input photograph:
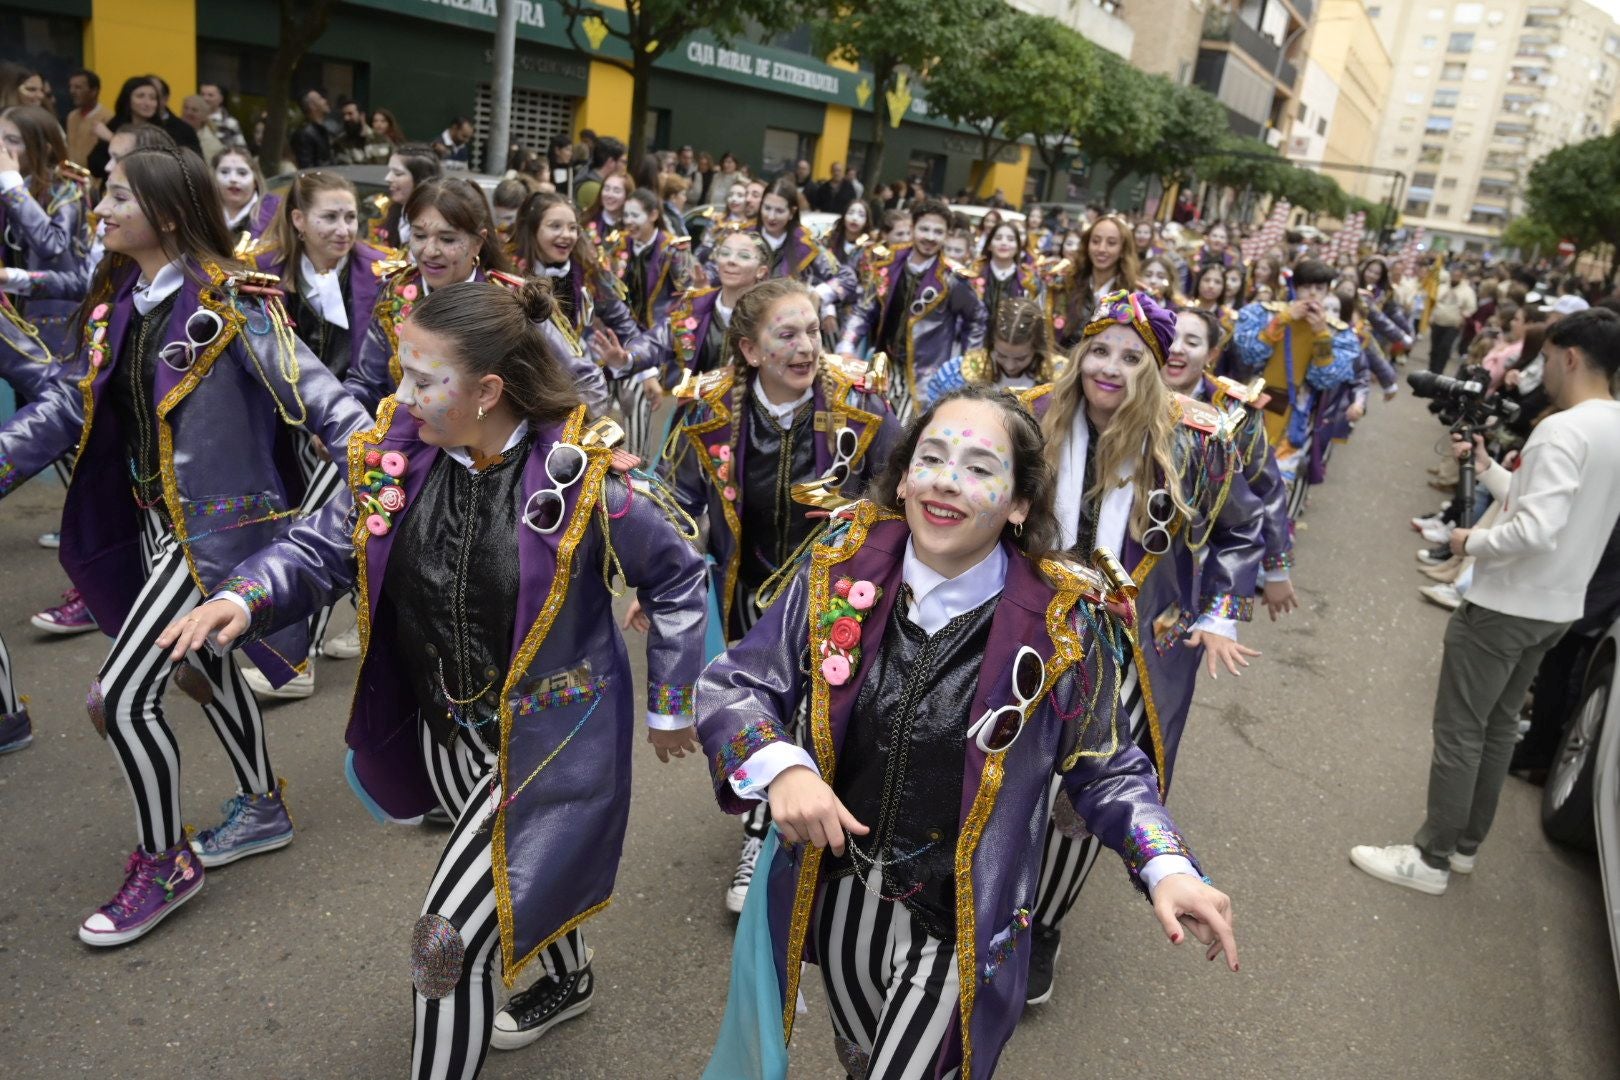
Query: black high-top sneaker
[533,1012]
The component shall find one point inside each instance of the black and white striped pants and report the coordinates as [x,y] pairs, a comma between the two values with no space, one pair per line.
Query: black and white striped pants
[8,690]
[323,479]
[630,395]
[892,989]
[452,1032]
[129,693]
[1066,861]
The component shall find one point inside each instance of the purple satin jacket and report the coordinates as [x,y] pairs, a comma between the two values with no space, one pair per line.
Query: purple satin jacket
[25,362]
[55,239]
[707,479]
[748,696]
[948,317]
[557,845]
[218,422]
[365,285]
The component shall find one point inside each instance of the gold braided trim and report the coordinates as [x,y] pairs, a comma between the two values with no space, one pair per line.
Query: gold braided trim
[590,490]
[967,948]
[359,443]
[822,559]
[234,321]
[1140,660]
[841,394]
[715,398]
[510,977]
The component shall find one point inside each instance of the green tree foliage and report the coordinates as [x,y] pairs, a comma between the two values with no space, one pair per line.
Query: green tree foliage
[1531,236]
[1126,121]
[651,28]
[896,41]
[1575,192]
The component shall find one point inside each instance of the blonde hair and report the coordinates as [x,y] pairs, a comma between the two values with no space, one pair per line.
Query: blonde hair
[1140,433]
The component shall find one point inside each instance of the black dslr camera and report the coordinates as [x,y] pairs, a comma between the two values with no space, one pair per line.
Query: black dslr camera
[1461,402]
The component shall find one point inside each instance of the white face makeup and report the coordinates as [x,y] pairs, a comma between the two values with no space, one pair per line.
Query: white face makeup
[958,489]
[234,176]
[126,229]
[1156,279]
[1143,234]
[637,220]
[443,252]
[329,227]
[1004,244]
[1189,354]
[928,235]
[435,389]
[774,214]
[788,345]
[855,218]
[558,233]
[1105,246]
[1108,362]
[738,261]
[737,200]
[400,181]
[956,248]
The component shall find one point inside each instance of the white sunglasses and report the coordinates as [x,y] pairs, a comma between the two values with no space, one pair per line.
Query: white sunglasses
[543,512]
[998,729]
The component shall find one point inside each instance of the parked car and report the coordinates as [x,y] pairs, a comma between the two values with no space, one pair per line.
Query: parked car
[697,221]
[976,214]
[1580,805]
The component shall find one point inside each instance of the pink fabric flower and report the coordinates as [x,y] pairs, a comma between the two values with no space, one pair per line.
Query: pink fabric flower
[729,494]
[376,525]
[408,292]
[99,313]
[835,669]
[722,451]
[842,587]
[862,595]
[691,323]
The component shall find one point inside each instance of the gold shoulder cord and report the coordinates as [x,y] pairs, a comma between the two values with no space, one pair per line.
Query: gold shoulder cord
[286,359]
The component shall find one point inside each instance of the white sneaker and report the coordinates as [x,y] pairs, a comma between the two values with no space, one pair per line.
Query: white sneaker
[1443,594]
[738,892]
[1400,864]
[299,686]
[50,540]
[346,646]
[1463,864]
[1436,532]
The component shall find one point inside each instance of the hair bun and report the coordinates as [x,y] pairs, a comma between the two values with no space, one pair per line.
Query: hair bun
[537,300]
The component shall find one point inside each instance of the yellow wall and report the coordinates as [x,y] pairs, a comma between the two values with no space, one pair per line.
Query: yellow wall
[833,145]
[1347,46]
[124,38]
[605,108]
[1008,177]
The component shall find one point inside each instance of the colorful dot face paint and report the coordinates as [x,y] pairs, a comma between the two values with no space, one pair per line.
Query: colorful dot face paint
[786,348]
[434,388]
[958,491]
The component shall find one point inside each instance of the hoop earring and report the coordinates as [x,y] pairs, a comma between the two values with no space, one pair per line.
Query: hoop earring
[1018,529]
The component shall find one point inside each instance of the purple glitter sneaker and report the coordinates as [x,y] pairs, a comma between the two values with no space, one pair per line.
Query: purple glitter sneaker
[154,885]
[71,616]
[16,731]
[253,825]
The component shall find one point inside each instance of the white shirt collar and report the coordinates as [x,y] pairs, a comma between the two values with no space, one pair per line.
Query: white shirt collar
[920,267]
[637,247]
[244,217]
[782,414]
[722,312]
[426,288]
[324,292]
[149,295]
[460,455]
[774,242]
[936,599]
[1003,275]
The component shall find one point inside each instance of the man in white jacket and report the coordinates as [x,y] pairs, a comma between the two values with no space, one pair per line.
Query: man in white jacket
[1530,576]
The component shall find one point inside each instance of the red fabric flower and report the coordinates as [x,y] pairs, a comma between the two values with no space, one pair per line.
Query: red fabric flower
[845,633]
[842,587]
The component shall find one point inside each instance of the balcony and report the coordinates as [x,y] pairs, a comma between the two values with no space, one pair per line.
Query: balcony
[1225,26]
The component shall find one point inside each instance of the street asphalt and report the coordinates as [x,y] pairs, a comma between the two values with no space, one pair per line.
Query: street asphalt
[295,964]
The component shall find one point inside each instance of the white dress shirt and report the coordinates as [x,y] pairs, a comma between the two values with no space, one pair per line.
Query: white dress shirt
[324,292]
[149,294]
[782,414]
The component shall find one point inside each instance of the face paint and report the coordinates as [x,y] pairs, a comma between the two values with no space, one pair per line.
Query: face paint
[958,490]
[787,348]
[635,218]
[435,389]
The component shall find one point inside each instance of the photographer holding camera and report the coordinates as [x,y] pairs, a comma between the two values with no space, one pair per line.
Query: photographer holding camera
[1530,577]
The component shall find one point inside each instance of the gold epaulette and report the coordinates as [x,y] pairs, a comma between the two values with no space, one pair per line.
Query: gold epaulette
[678,241]
[73,172]
[1198,415]
[501,277]
[247,248]
[387,268]
[1252,394]
[707,386]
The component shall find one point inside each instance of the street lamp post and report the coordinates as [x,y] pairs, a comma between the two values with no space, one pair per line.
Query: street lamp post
[500,120]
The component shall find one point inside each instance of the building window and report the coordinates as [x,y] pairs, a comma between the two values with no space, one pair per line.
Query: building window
[1437,125]
[1430,154]
[1415,97]
[1468,13]
[1421,71]
[783,149]
[1442,209]
[1445,99]
[1373,11]
[1413,206]
[1460,43]
[1321,125]
[1423,180]
[1430,41]
[1408,123]
[1453,70]
[1399,151]
[1448,183]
